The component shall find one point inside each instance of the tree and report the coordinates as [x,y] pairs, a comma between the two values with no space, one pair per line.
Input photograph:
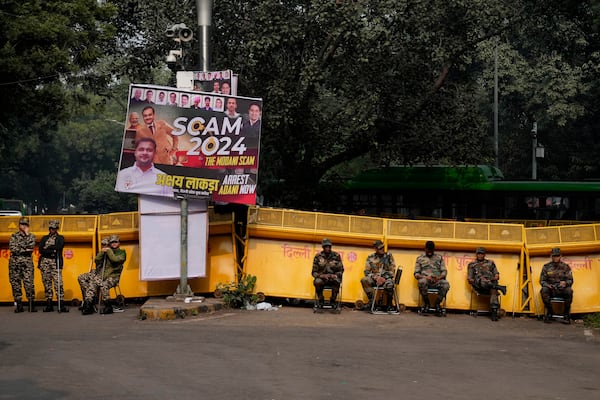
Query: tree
[48,50]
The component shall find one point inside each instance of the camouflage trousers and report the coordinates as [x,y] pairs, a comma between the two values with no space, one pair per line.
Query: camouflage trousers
[90,282]
[548,293]
[320,285]
[368,285]
[442,286]
[486,288]
[20,272]
[50,278]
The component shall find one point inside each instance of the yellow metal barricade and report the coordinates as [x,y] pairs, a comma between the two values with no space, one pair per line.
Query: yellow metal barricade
[580,247]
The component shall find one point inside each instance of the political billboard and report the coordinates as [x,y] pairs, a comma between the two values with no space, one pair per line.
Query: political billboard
[188,143]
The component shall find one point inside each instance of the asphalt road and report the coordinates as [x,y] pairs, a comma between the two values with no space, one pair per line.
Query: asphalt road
[294,354]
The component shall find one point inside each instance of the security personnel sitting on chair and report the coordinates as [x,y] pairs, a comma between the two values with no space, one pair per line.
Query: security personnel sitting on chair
[327,270]
[483,277]
[110,261]
[556,279]
[379,272]
[430,272]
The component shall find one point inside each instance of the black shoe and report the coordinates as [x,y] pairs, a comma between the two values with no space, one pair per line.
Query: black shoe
[19,308]
[494,314]
[107,310]
[438,311]
[63,309]
[87,308]
[49,307]
[547,319]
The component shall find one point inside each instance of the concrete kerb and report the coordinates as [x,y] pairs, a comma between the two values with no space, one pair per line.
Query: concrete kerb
[169,308]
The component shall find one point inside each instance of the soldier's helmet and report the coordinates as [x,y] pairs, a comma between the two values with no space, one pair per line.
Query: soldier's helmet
[104,242]
[326,242]
[555,251]
[24,221]
[113,238]
[430,245]
[480,250]
[378,244]
[54,224]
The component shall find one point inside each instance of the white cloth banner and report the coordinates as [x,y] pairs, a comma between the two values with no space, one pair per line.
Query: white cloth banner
[160,238]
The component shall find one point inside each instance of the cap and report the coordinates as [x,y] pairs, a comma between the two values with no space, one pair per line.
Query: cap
[113,238]
[430,245]
[480,250]
[24,221]
[378,244]
[104,242]
[326,242]
[555,251]
[53,224]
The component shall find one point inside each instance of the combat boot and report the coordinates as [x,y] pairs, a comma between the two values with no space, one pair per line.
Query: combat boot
[567,314]
[438,308]
[87,308]
[107,308]
[426,304]
[62,308]
[390,302]
[19,307]
[49,307]
[369,304]
[32,305]
[494,313]
[548,314]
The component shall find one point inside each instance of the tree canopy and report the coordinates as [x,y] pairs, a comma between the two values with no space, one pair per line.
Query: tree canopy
[345,84]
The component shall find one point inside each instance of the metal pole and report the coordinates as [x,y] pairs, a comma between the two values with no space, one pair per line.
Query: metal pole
[204,14]
[183,288]
[496,105]
[533,148]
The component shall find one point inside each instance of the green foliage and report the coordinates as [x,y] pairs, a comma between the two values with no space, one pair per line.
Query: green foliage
[238,294]
[345,84]
[592,320]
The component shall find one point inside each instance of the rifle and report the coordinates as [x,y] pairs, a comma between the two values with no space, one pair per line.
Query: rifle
[58,281]
[102,277]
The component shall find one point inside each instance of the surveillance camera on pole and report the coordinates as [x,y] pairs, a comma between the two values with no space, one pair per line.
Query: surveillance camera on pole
[172,60]
[180,33]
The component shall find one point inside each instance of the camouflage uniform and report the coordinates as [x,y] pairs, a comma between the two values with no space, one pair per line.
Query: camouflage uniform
[431,266]
[51,262]
[551,276]
[20,265]
[109,265]
[484,275]
[379,266]
[327,270]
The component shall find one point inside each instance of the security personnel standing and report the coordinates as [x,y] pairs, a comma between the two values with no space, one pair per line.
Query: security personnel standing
[20,265]
[483,276]
[556,279]
[51,264]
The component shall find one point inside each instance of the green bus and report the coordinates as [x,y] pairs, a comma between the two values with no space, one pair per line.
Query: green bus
[469,192]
